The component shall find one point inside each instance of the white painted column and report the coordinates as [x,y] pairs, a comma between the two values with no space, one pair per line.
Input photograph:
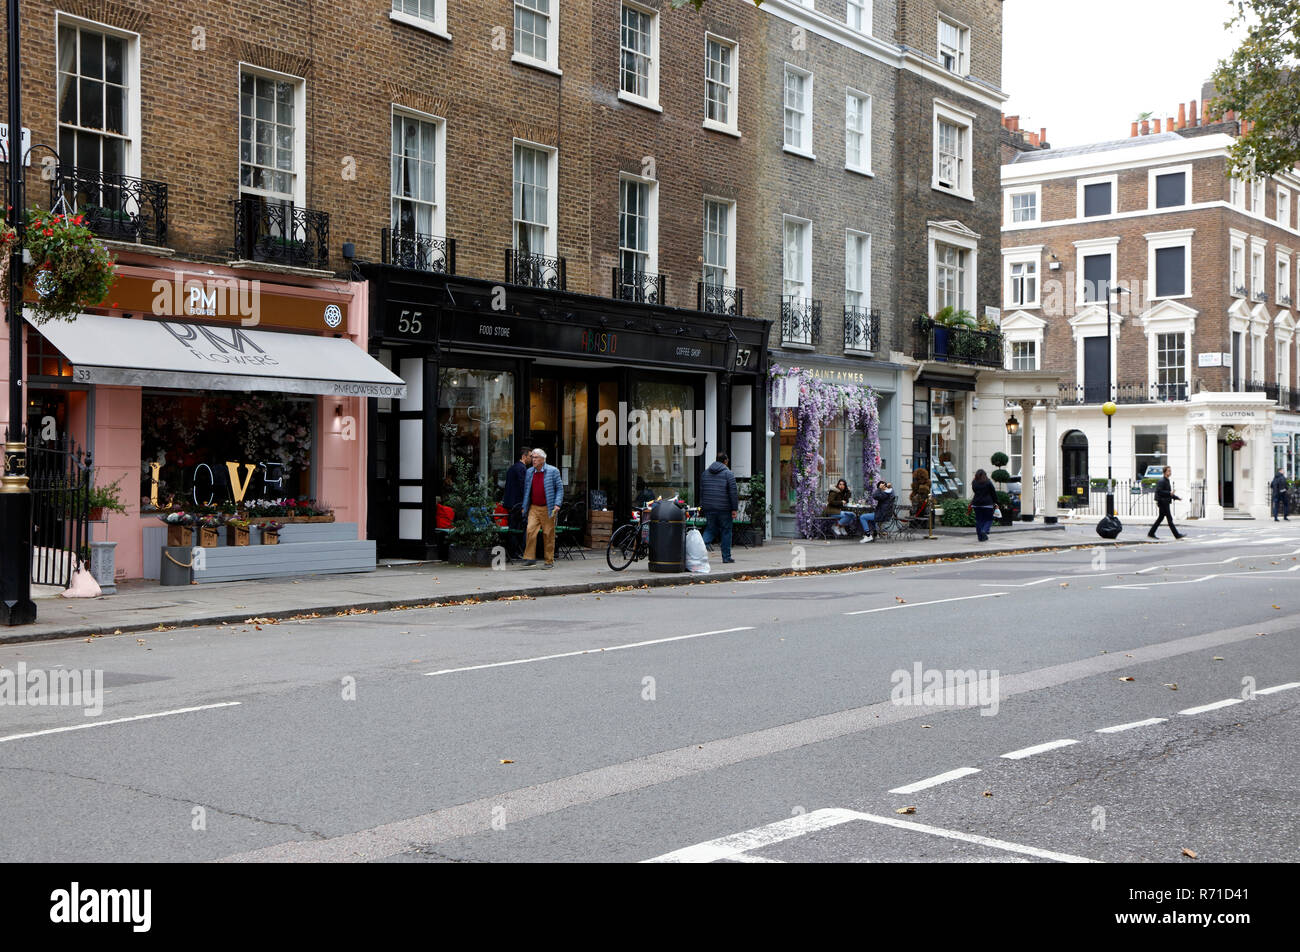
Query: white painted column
[1261,471]
[1027,458]
[1212,508]
[1051,462]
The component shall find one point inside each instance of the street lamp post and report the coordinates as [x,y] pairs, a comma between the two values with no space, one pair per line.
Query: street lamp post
[1109,409]
[16,605]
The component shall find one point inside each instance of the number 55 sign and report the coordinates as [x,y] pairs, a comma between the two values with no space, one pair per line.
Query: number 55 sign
[410,322]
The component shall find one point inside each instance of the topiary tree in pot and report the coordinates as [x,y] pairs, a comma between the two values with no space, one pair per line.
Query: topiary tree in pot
[1001,476]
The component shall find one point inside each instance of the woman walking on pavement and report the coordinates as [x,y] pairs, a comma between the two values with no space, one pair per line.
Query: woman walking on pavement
[1164,497]
[984,499]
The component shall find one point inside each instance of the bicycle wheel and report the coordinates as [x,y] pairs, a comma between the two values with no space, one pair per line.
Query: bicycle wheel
[622,547]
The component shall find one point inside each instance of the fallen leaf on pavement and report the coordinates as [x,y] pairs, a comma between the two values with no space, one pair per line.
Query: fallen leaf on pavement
[988,793]
[1216,658]
[1278,607]
[1172,687]
[1126,679]
[1065,585]
[926,726]
[507,761]
[899,600]
[906,810]
[117,631]
[1187,852]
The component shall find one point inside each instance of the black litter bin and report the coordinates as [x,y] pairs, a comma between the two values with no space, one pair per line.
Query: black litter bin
[667,537]
[176,565]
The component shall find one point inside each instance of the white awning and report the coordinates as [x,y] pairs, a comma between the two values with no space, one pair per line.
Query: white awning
[131,353]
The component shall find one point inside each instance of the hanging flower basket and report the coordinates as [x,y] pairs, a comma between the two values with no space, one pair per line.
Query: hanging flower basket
[69,271]
[1233,439]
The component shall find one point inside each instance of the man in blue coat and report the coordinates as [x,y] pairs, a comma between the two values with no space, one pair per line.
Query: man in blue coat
[719,499]
[543,493]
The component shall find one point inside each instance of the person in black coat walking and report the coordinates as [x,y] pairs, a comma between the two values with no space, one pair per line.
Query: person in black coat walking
[1281,496]
[1164,497]
[984,500]
[513,499]
[720,500]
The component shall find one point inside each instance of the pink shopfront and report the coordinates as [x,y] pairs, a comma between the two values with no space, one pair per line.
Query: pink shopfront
[207,385]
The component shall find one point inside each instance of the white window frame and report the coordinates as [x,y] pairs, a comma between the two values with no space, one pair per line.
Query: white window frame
[1008,211]
[299,84]
[437,25]
[732,125]
[1282,282]
[1237,279]
[1258,197]
[1258,278]
[1085,249]
[1258,368]
[961,53]
[439,214]
[805,259]
[551,238]
[650,102]
[1182,238]
[805,148]
[131,74]
[1014,357]
[863,166]
[652,219]
[938,233]
[1081,187]
[1282,360]
[1019,256]
[1021,328]
[551,64]
[965,121]
[1284,207]
[855,236]
[729,276]
[1153,174]
[866,12]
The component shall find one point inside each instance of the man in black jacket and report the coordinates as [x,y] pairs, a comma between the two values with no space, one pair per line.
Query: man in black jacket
[1165,496]
[720,499]
[1281,496]
[513,499]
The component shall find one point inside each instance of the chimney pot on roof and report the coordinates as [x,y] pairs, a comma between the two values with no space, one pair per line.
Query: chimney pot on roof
[1157,130]
[1042,135]
[1182,115]
[1146,127]
[1134,133]
[1191,113]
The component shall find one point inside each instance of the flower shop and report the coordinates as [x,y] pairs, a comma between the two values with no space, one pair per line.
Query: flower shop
[827,423]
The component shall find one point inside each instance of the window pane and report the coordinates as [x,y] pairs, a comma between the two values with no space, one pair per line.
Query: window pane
[1170,271]
[1170,190]
[1096,199]
[1096,277]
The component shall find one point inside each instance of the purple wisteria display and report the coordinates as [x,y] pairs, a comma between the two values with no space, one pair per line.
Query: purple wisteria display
[821,403]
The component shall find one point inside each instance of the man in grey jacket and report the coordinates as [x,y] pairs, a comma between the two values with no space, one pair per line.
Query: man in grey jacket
[720,500]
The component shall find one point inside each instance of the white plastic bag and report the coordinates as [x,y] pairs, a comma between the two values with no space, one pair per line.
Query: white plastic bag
[697,556]
[83,584]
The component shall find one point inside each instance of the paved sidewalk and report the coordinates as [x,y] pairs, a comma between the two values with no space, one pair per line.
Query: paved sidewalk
[143,606]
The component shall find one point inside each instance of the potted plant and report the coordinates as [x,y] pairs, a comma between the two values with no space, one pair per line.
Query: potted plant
[271,532]
[179,525]
[1065,502]
[758,509]
[237,532]
[473,534]
[1234,439]
[208,526]
[106,498]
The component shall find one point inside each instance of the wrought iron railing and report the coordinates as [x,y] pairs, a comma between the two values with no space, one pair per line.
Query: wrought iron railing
[801,321]
[536,271]
[861,328]
[959,345]
[643,287]
[1286,397]
[1125,393]
[280,233]
[719,299]
[1133,497]
[419,252]
[59,475]
[113,206]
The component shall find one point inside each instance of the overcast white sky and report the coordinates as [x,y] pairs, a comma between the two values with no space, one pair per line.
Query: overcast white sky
[1085,71]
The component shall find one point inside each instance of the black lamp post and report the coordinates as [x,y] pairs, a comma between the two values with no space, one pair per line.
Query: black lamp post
[16,605]
[1109,408]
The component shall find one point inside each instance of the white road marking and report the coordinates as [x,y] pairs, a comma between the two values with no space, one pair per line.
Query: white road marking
[119,720]
[941,601]
[1279,687]
[749,858]
[574,654]
[1128,727]
[1213,707]
[1050,578]
[729,847]
[1038,749]
[936,780]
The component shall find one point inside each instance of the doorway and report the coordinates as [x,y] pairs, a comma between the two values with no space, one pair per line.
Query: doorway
[1227,456]
[1074,464]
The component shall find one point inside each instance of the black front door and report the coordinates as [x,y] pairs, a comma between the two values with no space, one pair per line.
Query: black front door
[1095,369]
[1227,496]
[1074,465]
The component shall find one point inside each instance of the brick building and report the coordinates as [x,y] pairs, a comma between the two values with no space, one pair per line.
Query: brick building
[1202,341]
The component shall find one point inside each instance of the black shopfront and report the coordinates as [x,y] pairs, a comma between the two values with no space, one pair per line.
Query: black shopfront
[628,400]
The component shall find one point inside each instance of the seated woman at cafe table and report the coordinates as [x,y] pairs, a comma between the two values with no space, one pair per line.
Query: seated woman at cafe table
[884,498]
[839,498]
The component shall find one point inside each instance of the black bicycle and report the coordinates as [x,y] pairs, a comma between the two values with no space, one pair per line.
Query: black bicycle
[628,544]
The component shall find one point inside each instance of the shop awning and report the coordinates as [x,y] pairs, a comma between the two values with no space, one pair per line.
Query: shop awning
[131,353]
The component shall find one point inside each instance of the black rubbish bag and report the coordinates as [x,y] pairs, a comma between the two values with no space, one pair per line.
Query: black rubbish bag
[1109,527]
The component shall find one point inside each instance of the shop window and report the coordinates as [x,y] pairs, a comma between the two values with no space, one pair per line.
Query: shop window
[476,422]
[661,464]
[947,441]
[840,448]
[191,436]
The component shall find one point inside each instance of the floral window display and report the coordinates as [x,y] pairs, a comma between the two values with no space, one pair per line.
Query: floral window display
[823,406]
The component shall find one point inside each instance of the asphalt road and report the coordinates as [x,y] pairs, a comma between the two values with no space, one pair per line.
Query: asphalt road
[750,721]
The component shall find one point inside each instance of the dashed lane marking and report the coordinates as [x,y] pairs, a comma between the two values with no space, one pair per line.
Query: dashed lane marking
[936,780]
[1128,727]
[1279,687]
[1038,749]
[119,720]
[1213,707]
[939,601]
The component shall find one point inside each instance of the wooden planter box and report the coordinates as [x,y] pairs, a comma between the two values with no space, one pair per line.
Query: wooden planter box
[236,536]
[207,538]
[179,535]
[467,556]
[600,525]
[270,537]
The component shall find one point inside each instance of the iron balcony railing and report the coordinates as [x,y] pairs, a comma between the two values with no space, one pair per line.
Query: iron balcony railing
[536,271]
[861,328]
[801,321]
[1286,397]
[419,252]
[639,286]
[719,299]
[958,345]
[1125,393]
[113,206]
[280,233]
